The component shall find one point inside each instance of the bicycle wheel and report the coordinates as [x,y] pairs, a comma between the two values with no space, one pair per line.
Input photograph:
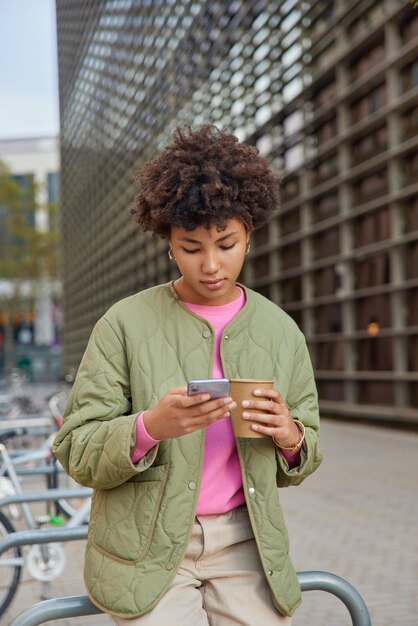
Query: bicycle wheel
[59,479]
[11,565]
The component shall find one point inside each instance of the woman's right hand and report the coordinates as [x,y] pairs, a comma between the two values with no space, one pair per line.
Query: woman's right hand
[178,414]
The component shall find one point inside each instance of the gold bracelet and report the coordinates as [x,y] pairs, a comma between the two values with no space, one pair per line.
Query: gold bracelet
[297,445]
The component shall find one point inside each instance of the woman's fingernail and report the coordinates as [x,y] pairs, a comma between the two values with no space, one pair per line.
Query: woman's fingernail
[257,392]
[232,406]
[245,415]
[245,403]
[227,400]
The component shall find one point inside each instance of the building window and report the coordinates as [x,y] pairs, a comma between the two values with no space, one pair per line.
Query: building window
[290,222]
[368,104]
[326,132]
[329,355]
[326,243]
[261,235]
[324,207]
[371,186]
[289,189]
[409,28]
[371,227]
[330,390]
[373,313]
[294,157]
[410,76]
[411,215]
[366,22]
[324,60]
[324,96]
[411,260]
[411,299]
[372,271]
[290,256]
[410,168]
[264,291]
[326,282]
[375,101]
[325,170]
[328,319]
[297,317]
[409,122]
[291,290]
[376,392]
[375,354]
[370,145]
[413,394]
[321,17]
[413,354]
[53,187]
[292,124]
[367,61]
[261,266]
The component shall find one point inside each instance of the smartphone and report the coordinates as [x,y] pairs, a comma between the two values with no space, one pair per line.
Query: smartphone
[215,387]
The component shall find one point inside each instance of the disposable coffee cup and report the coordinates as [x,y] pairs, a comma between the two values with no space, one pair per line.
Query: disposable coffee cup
[242,389]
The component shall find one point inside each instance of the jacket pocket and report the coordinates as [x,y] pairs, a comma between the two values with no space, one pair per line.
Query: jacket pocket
[126,520]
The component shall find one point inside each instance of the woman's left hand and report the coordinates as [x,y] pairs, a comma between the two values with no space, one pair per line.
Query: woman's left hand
[274,420]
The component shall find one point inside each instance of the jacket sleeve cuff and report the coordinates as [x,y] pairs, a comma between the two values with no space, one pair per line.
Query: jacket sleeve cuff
[143,442]
[293,458]
[310,459]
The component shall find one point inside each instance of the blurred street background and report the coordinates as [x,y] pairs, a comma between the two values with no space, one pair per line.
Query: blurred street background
[328,92]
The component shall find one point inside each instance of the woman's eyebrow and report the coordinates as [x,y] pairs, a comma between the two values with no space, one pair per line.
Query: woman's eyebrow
[190,240]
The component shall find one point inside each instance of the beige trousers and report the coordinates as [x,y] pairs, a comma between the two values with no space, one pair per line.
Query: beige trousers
[220,581]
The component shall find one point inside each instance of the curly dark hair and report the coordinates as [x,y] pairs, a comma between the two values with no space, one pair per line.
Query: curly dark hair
[204,178]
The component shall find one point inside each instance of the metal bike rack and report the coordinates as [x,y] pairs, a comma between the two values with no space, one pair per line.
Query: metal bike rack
[42,535]
[80,606]
[45,494]
[342,589]
[73,530]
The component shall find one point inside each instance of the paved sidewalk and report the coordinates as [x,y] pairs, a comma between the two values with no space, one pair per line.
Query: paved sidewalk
[356,517]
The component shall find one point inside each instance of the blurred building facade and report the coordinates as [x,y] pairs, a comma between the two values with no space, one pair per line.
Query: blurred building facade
[328,92]
[29,305]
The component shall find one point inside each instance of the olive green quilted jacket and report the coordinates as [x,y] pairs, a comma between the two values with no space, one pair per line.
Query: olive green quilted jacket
[142,514]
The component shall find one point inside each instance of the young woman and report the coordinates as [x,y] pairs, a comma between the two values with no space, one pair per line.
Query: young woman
[186,526]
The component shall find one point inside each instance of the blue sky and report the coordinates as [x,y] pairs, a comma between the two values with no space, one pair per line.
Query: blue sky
[28,69]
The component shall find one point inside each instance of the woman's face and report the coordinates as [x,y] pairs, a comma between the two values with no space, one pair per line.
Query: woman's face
[209,261]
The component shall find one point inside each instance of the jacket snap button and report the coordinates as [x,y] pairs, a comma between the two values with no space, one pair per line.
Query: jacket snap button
[206,334]
[251,491]
[226,336]
[169,566]
[270,572]
[192,485]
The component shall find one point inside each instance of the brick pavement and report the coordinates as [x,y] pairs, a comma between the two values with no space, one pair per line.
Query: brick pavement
[356,517]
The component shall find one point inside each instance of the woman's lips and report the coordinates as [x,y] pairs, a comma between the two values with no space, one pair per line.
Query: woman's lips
[213,284]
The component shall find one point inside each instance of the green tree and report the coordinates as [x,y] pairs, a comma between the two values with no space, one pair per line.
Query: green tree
[27,254]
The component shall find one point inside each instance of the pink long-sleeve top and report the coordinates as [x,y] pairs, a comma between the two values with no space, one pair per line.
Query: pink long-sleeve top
[221,484]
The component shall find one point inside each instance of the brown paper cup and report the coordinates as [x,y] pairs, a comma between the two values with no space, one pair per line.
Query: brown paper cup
[242,389]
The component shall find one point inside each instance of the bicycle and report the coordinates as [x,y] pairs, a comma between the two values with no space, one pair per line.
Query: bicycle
[13,401]
[44,562]
[56,477]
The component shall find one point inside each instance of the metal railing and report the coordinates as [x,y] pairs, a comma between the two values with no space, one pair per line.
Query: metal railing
[52,558]
[41,535]
[80,606]
[45,495]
